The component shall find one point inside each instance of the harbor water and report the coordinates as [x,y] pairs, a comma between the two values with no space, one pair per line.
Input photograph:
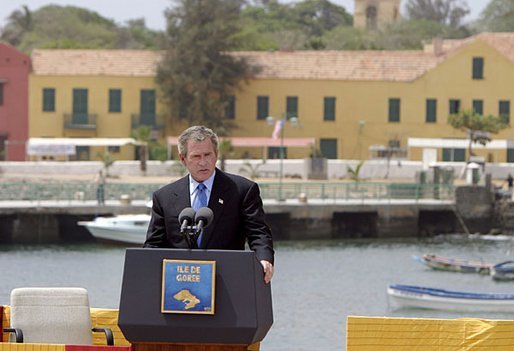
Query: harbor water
[317,284]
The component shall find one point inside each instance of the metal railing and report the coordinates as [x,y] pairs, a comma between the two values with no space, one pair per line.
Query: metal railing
[24,191]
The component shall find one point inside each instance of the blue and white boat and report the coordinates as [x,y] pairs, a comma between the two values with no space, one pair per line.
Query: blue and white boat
[411,296]
[503,271]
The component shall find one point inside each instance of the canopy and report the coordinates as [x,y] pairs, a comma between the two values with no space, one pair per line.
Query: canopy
[260,141]
[66,146]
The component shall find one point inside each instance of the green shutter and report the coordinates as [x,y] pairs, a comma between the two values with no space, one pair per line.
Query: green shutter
[262,107]
[329,113]
[292,106]
[328,148]
[478,107]
[504,110]
[431,111]
[478,68]
[230,109]
[48,99]
[80,106]
[394,110]
[114,100]
[510,155]
[454,106]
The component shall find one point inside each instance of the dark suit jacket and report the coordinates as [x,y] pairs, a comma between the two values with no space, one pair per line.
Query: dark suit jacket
[238,215]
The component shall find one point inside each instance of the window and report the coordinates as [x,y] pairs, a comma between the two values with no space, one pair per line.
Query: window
[371,18]
[80,106]
[114,100]
[274,152]
[510,155]
[262,107]
[394,110]
[113,149]
[329,113]
[1,93]
[230,108]
[147,107]
[454,106]
[457,155]
[48,99]
[431,111]
[328,148]
[478,68]
[478,107]
[504,110]
[292,106]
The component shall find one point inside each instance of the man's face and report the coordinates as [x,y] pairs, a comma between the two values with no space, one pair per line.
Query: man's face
[200,159]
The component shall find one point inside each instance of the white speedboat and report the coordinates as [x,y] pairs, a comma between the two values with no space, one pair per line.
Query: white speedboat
[122,228]
[422,297]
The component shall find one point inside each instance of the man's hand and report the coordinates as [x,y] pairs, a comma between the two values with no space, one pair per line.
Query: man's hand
[268,270]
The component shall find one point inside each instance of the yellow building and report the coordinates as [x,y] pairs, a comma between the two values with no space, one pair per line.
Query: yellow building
[94,94]
[356,104]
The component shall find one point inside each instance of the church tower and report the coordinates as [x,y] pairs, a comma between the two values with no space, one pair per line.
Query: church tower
[375,14]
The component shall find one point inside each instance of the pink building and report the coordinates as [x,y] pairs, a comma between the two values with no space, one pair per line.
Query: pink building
[14,90]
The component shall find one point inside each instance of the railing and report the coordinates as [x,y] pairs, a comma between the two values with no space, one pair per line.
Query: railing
[154,121]
[80,121]
[311,190]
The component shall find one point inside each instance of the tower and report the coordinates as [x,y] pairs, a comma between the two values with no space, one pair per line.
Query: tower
[375,14]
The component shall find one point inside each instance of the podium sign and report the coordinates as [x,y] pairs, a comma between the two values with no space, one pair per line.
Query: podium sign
[243,308]
[188,286]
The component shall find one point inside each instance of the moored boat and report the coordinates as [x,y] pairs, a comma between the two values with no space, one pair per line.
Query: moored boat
[503,271]
[411,296]
[129,229]
[455,264]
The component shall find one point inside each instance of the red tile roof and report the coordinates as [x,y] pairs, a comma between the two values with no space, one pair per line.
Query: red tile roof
[318,65]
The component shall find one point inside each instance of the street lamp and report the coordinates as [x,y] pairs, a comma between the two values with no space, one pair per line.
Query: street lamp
[281,123]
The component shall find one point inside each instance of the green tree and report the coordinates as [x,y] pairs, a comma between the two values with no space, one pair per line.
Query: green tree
[107,161]
[354,173]
[498,16]
[142,135]
[225,148]
[448,12]
[19,22]
[477,126]
[197,73]
[66,27]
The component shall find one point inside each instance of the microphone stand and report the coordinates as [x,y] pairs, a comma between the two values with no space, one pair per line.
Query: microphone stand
[191,234]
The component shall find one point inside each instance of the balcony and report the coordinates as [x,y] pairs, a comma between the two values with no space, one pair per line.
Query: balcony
[80,121]
[152,120]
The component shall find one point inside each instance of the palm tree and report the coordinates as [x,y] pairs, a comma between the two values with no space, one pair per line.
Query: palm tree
[18,24]
[225,149]
[142,135]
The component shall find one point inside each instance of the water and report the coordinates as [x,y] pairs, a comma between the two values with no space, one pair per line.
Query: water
[315,287]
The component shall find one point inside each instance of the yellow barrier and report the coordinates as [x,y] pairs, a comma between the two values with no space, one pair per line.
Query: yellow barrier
[417,334]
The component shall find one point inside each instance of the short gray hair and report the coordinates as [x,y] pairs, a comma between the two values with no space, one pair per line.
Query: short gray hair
[198,134]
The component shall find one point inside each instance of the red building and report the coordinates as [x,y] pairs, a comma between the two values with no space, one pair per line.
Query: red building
[14,90]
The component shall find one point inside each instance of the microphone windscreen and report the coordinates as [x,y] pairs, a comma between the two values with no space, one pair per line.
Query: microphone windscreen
[187,214]
[204,214]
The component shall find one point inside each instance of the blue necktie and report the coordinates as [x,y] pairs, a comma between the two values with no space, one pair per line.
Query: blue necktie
[199,202]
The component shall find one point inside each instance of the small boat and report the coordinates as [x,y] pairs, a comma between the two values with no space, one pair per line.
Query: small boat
[503,271]
[129,229]
[455,264]
[410,296]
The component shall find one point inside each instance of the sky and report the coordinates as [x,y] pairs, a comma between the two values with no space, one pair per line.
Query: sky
[153,10]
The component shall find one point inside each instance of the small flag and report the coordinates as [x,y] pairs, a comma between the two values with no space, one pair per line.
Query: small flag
[278,128]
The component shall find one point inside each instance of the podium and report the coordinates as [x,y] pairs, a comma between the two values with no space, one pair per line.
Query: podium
[243,307]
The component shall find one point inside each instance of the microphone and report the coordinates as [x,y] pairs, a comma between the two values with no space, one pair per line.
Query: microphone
[203,218]
[186,218]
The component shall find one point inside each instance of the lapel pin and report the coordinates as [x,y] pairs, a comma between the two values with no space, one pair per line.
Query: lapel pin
[220,201]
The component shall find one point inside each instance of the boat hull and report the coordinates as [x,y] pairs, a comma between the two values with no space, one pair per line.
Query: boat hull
[129,229]
[439,299]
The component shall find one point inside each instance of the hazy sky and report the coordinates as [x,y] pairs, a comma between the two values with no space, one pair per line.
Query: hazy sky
[152,10]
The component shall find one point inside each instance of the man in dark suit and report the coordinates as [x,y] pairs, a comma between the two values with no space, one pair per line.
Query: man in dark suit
[234,200]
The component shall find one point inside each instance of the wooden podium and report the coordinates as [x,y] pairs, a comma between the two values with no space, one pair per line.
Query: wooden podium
[243,307]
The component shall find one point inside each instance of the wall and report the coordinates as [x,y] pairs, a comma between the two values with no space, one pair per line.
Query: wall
[14,71]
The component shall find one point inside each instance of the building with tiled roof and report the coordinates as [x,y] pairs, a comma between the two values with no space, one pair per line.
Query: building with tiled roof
[356,104]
